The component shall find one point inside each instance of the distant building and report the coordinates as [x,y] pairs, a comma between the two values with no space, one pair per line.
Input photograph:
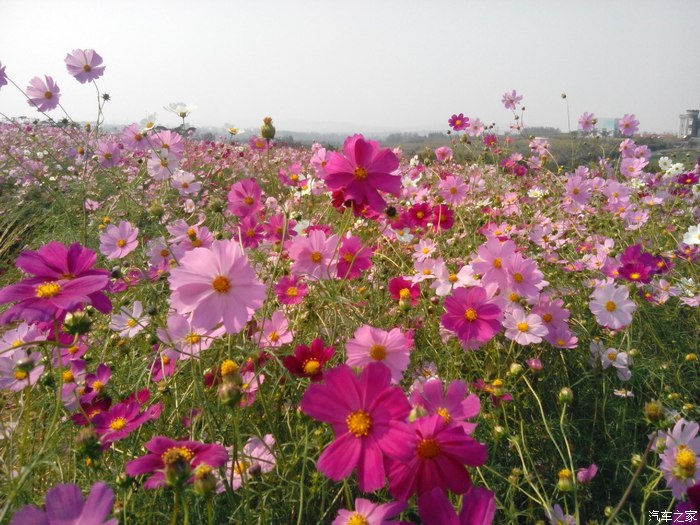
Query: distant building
[690,125]
[608,126]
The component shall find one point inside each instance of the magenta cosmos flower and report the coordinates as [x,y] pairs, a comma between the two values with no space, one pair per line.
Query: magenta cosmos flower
[65,506]
[369,345]
[471,315]
[360,410]
[291,290]
[119,241]
[433,455]
[166,454]
[244,198]
[309,361]
[43,94]
[368,513]
[216,284]
[84,65]
[458,122]
[363,171]
[122,419]
[478,508]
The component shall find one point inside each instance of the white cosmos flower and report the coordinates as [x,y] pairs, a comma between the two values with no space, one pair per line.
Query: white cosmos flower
[692,236]
[180,108]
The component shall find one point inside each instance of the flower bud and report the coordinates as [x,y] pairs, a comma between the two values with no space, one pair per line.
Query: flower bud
[691,358]
[417,411]
[77,323]
[229,394]
[156,209]
[566,480]
[204,480]
[535,364]
[516,369]
[566,396]
[654,411]
[177,471]
[636,460]
[267,130]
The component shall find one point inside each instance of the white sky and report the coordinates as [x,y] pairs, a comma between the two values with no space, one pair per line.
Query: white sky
[361,65]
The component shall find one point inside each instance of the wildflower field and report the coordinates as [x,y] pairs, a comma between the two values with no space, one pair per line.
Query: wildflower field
[247,332]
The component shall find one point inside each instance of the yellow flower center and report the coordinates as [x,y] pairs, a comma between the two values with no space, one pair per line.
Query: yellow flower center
[453,190]
[192,338]
[470,314]
[518,277]
[292,291]
[610,306]
[685,462]
[164,162]
[108,156]
[274,336]
[97,385]
[17,343]
[497,262]
[87,68]
[165,360]
[316,257]
[73,349]
[452,278]
[612,356]
[634,276]
[250,232]
[228,367]
[174,454]
[311,367]
[359,423]
[241,466]
[425,251]
[428,449]
[20,375]
[377,352]
[196,243]
[404,293]
[121,243]
[547,318]
[357,519]
[48,95]
[360,173]
[248,200]
[46,290]
[420,214]
[523,327]
[445,414]
[131,323]
[68,376]
[138,137]
[117,423]
[221,284]
[348,257]
[185,185]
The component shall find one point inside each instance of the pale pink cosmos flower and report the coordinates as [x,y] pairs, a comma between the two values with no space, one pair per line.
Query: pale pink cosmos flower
[475,128]
[249,387]
[185,339]
[134,138]
[84,65]
[162,165]
[424,249]
[116,242]
[619,360]
[275,332]
[587,122]
[492,257]
[158,252]
[453,190]
[510,100]
[129,323]
[523,276]
[368,513]
[184,182]
[370,344]
[43,94]
[314,256]
[216,284]
[256,458]
[628,125]
[524,328]
[108,154]
[611,306]
[446,281]
[443,153]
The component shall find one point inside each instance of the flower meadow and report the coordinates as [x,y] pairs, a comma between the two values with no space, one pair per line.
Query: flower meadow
[248,332]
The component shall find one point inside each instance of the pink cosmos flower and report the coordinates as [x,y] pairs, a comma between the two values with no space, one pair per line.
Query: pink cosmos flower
[557,516]
[169,143]
[523,276]
[491,260]
[134,138]
[370,344]
[368,513]
[250,232]
[362,171]
[184,182]
[611,306]
[257,457]
[84,65]
[433,455]
[116,242]
[161,165]
[43,95]
[216,284]
[276,332]
[314,255]
[453,190]
[475,128]
[186,340]
[164,453]
[443,153]
[585,475]
[587,122]
[360,410]
[108,154]
[19,369]
[679,461]
[244,198]
[524,328]
[404,290]
[628,125]
[122,419]
[353,258]
[471,315]
[291,290]
[510,100]
[458,122]
[129,323]
[478,508]
[65,506]
[455,406]
[94,383]
[309,361]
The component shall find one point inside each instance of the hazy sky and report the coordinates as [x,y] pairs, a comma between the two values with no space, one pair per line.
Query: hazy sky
[361,65]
